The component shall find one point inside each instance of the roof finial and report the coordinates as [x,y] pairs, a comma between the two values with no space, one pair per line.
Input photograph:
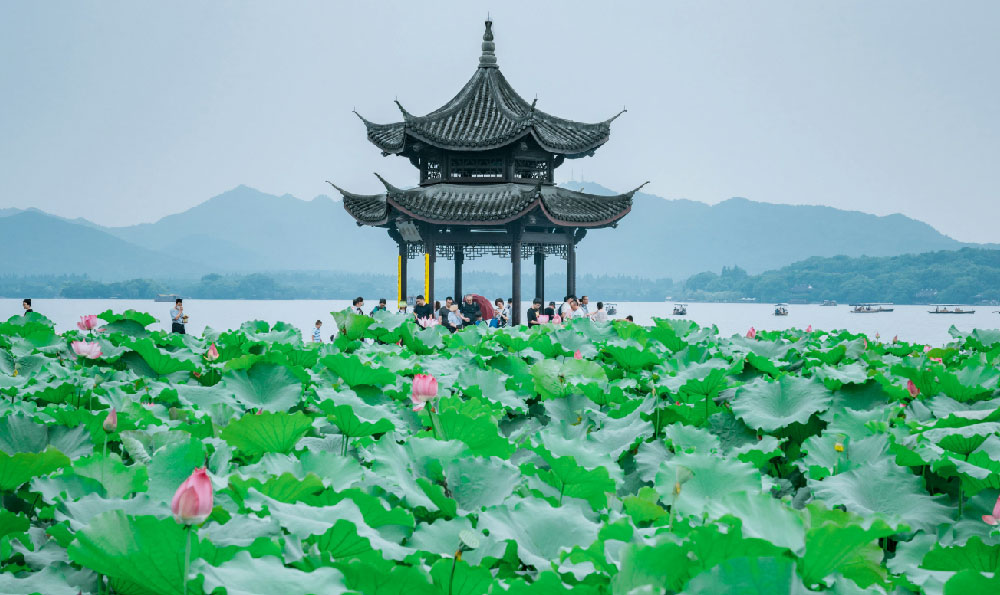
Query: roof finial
[488,59]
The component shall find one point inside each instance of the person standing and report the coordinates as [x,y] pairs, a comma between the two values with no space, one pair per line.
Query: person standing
[600,315]
[423,309]
[550,311]
[358,306]
[574,310]
[177,317]
[380,307]
[442,313]
[26,304]
[317,337]
[585,305]
[454,318]
[534,311]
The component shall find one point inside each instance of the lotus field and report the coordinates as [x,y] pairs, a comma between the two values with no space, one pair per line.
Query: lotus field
[598,458]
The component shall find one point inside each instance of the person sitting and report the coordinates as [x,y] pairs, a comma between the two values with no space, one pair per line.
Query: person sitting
[455,319]
[379,308]
[534,311]
[550,311]
[358,305]
[422,309]
[470,311]
[498,319]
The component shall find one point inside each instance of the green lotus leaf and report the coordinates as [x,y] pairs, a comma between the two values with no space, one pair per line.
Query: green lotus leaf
[354,372]
[284,488]
[712,477]
[172,464]
[972,555]
[349,424]
[969,582]
[18,433]
[632,357]
[280,332]
[822,457]
[774,405]
[245,575]
[457,577]
[141,555]
[834,378]
[969,383]
[539,530]
[477,482]
[836,541]
[351,325]
[50,581]
[264,386]
[963,440]
[160,362]
[144,319]
[748,576]
[386,580]
[762,517]
[480,434]
[491,385]
[341,541]
[570,479]
[118,480]
[267,432]
[556,378]
[883,490]
[396,467]
[692,439]
[19,468]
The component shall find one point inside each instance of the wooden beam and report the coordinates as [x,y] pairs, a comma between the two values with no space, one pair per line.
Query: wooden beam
[515,271]
[459,259]
[401,262]
[540,274]
[571,267]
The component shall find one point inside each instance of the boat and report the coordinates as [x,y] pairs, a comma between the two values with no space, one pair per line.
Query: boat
[167,297]
[951,309]
[781,309]
[611,308]
[829,303]
[680,309]
[871,308]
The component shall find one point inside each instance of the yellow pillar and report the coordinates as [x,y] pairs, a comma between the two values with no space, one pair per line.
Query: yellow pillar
[427,275]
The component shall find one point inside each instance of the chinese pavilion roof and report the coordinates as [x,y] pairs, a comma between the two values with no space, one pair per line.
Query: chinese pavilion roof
[486,114]
[487,204]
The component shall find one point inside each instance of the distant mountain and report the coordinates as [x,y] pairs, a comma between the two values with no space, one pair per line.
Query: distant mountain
[245,230]
[679,238]
[40,244]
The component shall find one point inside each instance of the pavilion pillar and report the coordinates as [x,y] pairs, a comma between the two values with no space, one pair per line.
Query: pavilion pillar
[401,261]
[571,266]
[459,260]
[540,273]
[515,271]
[429,257]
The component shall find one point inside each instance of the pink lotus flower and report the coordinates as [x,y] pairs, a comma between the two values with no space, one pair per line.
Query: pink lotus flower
[993,519]
[809,328]
[927,348]
[577,354]
[895,339]
[543,318]
[87,323]
[912,388]
[192,502]
[866,342]
[111,421]
[427,322]
[752,333]
[556,319]
[212,354]
[937,359]
[425,388]
[87,350]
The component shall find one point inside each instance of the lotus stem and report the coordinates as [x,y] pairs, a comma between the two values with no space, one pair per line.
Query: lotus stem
[187,560]
[436,424]
[104,457]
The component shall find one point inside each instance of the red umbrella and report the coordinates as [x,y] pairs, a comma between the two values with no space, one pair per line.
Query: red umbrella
[484,306]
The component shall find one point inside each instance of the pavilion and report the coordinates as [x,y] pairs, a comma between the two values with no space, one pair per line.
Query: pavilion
[487,160]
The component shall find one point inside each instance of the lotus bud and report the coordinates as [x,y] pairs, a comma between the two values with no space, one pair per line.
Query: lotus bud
[993,519]
[111,421]
[752,333]
[192,503]
[87,323]
[577,354]
[809,328]
[425,388]
[912,388]
[212,354]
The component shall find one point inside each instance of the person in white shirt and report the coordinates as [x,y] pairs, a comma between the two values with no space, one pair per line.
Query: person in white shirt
[358,306]
[585,305]
[574,310]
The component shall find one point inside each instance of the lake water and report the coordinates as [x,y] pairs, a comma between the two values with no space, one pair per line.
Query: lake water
[911,323]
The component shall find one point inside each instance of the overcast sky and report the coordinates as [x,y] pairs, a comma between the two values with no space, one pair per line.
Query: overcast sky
[123,112]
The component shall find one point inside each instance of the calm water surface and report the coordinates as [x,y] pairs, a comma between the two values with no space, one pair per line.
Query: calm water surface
[911,323]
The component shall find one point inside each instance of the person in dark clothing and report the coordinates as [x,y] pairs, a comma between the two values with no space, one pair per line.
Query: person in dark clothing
[470,311]
[379,308]
[550,311]
[533,312]
[27,305]
[423,309]
[442,311]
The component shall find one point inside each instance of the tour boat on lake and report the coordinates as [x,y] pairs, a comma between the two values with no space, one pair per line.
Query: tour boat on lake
[871,308]
[166,297]
[829,303]
[951,309]
[781,309]
[680,309]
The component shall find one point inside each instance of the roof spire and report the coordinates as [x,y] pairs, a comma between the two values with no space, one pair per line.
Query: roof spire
[488,59]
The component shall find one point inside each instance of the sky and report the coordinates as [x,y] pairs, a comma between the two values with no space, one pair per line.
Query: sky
[124,112]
